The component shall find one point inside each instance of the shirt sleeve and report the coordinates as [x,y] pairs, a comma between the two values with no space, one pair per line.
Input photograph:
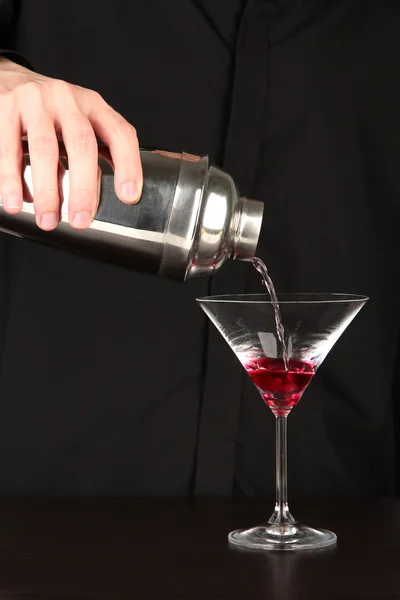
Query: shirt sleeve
[17,58]
[8,13]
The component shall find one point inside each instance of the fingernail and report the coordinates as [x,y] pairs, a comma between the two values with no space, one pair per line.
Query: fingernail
[12,201]
[82,219]
[129,191]
[49,220]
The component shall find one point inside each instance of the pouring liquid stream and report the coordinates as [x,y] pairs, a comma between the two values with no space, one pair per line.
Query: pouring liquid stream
[267,281]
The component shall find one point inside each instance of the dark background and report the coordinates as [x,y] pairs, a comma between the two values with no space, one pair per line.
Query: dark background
[302,101]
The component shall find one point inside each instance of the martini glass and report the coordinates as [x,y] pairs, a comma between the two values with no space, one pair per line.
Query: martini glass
[312,324]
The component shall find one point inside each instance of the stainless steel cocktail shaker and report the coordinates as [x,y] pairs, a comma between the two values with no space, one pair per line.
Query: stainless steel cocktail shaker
[189,221]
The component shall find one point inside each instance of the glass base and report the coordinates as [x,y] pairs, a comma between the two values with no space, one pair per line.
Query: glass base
[280,536]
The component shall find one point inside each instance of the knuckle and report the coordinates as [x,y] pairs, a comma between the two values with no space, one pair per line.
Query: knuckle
[5,96]
[128,129]
[124,129]
[9,182]
[95,97]
[133,131]
[30,90]
[60,84]
[44,146]
[46,197]
[62,88]
[84,141]
[83,198]
[7,150]
[32,86]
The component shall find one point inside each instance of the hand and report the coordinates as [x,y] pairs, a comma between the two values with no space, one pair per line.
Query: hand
[40,108]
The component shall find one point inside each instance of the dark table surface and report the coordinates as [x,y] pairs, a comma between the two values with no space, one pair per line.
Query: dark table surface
[176,549]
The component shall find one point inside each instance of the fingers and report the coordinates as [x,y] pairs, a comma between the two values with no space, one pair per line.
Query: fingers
[122,140]
[10,159]
[41,108]
[81,145]
[43,151]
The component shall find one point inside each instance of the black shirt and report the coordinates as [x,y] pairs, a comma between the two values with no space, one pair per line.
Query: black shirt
[113,382]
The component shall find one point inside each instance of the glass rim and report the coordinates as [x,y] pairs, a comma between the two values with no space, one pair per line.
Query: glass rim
[285,298]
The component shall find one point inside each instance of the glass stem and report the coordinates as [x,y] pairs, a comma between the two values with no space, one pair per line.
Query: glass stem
[281,513]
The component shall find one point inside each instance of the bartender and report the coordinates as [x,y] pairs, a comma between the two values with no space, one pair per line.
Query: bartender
[113,382]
